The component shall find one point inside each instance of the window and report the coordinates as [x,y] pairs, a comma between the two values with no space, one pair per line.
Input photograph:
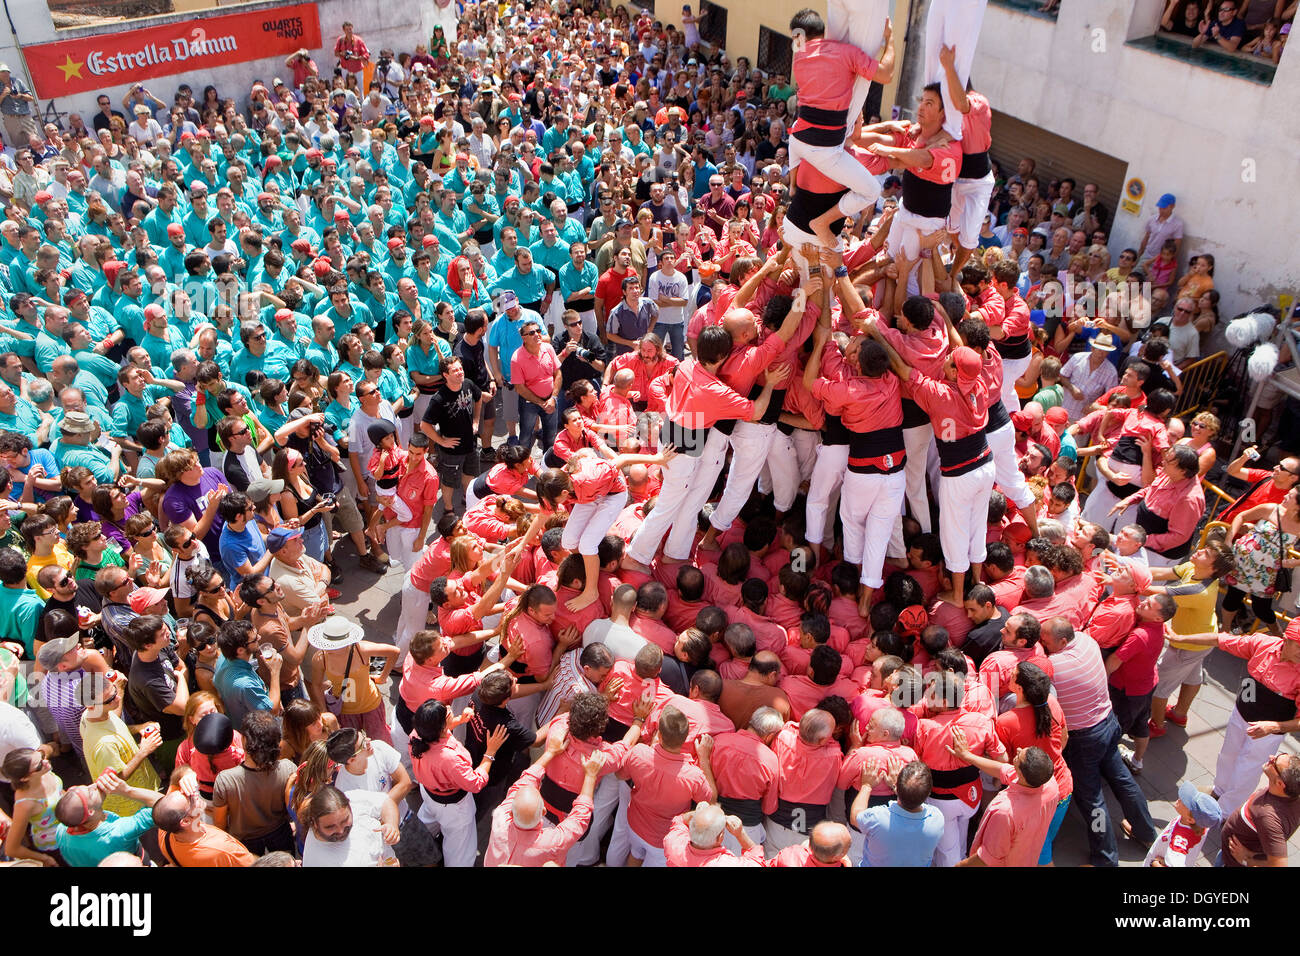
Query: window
[1178,36]
[773,52]
[713,24]
[1034,8]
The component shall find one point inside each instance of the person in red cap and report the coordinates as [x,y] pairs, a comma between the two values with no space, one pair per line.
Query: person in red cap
[957,405]
[174,250]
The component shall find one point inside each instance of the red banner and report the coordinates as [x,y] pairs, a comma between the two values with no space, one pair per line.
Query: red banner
[115,59]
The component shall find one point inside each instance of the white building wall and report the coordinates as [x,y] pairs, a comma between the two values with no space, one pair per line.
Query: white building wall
[1229,149]
[382,23]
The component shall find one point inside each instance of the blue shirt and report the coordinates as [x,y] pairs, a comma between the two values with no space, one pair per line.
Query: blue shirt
[45,458]
[893,836]
[240,687]
[240,546]
[113,834]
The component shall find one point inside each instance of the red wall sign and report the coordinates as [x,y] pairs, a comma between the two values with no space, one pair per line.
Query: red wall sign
[115,59]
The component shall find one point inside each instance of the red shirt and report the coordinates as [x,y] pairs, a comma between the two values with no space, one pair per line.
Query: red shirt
[565,444]
[419,489]
[664,784]
[1016,729]
[596,478]
[609,287]
[654,631]
[864,404]
[999,667]
[423,682]
[1113,619]
[536,372]
[807,774]
[745,768]
[538,644]
[976,124]
[1016,823]
[699,399]
[877,753]
[645,372]
[1139,652]
[1263,660]
[679,851]
[703,716]
[956,415]
[445,768]
[805,695]
[824,71]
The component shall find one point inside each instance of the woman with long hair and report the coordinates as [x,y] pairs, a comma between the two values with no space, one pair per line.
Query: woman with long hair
[1261,539]
[37,791]
[301,501]
[448,779]
[198,755]
[1037,720]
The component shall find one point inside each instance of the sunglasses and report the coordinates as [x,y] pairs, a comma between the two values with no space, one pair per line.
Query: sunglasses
[64,581]
[242,431]
[531,333]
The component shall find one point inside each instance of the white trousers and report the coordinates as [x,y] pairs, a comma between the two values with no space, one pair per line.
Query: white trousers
[399,542]
[779,837]
[954,23]
[1097,508]
[970,204]
[455,821]
[682,479]
[917,441]
[605,801]
[757,833]
[789,464]
[1012,369]
[905,238]
[839,165]
[750,445]
[956,819]
[620,840]
[823,489]
[1002,443]
[414,615]
[964,508]
[1240,765]
[869,507]
[590,521]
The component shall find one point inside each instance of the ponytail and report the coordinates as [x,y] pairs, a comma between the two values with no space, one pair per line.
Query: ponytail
[1035,685]
[429,723]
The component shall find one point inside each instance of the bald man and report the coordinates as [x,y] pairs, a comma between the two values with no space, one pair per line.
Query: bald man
[695,839]
[520,835]
[808,762]
[828,845]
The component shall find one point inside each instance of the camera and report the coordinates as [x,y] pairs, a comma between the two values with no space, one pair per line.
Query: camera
[330,500]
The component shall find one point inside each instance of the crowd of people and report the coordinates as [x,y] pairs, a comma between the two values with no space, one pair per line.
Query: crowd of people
[720,545]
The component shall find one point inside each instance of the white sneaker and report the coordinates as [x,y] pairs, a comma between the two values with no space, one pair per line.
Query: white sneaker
[1130,761]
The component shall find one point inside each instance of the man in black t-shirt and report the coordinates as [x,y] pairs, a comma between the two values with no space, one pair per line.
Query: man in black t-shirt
[586,359]
[156,686]
[449,423]
[511,760]
[470,349]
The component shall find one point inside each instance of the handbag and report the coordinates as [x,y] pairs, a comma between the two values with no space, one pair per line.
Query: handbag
[1282,579]
[334,702]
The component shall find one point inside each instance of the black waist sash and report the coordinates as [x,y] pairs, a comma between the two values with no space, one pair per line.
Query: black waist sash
[879,452]
[749,812]
[1257,701]
[481,487]
[557,800]
[828,129]
[974,165]
[963,455]
[446,799]
[921,197]
[998,417]
[951,781]
[1152,523]
[687,441]
[834,432]
[813,814]
[1014,347]
[914,416]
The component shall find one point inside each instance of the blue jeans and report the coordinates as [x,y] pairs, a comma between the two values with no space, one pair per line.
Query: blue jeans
[529,415]
[674,337]
[1092,755]
[314,540]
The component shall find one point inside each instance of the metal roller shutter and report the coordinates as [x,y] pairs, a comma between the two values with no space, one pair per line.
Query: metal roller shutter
[1056,156]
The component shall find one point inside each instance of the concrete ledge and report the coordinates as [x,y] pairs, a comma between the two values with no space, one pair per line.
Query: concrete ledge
[1239,65]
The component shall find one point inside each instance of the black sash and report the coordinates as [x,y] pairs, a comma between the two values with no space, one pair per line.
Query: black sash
[615,730]
[1016,347]
[834,432]
[1152,523]
[726,425]
[817,136]
[914,416]
[807,206]
[446,799]
[750,812]
[556,799]
[924,198]
[823,117]
[998,417]
[879,452]
[552,460]
[687,441]
[457,664]
[1268,704]
[772,414]
[481,486]
[951,780]
[1127,451]
[582,305]
[963,455]
[814,813]
[974,165]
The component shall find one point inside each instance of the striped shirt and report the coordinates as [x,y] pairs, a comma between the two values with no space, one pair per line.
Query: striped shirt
[1081,683]
[570,681]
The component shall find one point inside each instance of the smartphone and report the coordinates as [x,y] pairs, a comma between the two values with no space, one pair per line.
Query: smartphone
[377,666]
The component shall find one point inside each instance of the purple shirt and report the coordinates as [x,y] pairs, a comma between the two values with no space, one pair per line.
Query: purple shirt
[182,502]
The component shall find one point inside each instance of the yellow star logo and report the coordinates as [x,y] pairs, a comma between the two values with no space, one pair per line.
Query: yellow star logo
[71,70]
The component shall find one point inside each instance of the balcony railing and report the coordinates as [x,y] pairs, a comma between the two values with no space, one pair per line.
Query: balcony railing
[1033,8]
[1244,66]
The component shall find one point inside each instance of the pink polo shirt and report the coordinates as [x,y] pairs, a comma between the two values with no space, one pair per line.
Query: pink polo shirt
[446,767]
[703,716]
[512,845]
[807,774]
[664,784]
[869,754]
[423,682]
[679,851]
[536,372]
[1016,823]
[744,768]
[538,644]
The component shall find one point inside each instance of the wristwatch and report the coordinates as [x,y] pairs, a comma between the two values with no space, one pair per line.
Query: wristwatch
[841,271]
